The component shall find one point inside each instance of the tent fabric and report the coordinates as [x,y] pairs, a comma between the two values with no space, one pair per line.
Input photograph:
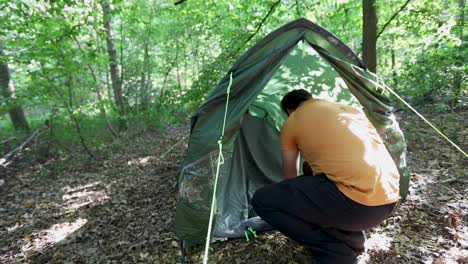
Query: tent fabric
[298,55]
[254,163]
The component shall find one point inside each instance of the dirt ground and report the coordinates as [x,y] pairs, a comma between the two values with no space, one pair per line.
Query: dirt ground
[121,209]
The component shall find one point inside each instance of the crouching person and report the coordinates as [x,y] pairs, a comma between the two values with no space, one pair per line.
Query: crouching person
[354,186]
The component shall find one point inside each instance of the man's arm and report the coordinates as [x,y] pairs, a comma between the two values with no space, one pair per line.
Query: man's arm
[290,163]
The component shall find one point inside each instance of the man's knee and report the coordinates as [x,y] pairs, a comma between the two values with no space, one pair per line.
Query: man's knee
[259,198]
[270,197]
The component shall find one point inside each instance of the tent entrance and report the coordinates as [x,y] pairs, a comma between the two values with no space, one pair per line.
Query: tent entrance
[302,68]
[256,156]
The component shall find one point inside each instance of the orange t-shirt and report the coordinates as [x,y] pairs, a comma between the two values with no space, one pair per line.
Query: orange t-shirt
[341,142]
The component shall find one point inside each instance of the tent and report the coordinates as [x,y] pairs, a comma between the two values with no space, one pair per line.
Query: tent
[300,54]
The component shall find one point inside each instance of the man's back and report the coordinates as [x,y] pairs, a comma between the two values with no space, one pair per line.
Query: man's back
[340,141]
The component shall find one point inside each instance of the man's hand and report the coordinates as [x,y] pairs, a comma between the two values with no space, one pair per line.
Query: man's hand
[290,163]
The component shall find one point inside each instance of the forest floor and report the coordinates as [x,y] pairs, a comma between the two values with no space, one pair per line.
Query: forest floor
[121,209]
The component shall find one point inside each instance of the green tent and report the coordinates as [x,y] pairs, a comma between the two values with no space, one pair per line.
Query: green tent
[300,54]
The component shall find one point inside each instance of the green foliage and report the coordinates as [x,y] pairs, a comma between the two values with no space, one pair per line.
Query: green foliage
[428,53]
[170,56]
[436,72]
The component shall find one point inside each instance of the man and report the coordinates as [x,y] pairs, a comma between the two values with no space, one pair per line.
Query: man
[354,185]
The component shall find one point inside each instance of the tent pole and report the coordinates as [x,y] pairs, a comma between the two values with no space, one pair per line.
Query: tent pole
[183,251]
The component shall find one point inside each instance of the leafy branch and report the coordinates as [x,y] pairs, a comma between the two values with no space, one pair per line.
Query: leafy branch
[259,26]
[393,17]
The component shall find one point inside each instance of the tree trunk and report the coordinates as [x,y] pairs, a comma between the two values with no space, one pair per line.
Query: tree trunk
[394,73]
[458,78]
[141,104]
[7,90]
[161,92]
[148,86]
[114,71]
[369,34]
[179,84]
[144,81]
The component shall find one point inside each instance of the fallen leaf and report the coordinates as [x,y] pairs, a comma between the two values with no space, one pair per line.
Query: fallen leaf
[454,220]
[71,211]
[28,202]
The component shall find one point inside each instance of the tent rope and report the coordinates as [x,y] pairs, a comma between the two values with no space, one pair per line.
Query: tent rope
[220,162]
[420,115]
[172,147]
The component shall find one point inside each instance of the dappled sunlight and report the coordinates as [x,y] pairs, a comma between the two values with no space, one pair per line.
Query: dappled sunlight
[140,161]
[69,189]
[455,253]
[378,244]
[419,181]
[14,227]
[302,68]
[41,240]
[87,195]
[317,72]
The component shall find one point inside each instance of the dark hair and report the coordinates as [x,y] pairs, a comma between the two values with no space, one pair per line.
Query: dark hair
[293,99]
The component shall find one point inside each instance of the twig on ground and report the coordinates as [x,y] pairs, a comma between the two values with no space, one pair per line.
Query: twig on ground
[3,161]
[7,140]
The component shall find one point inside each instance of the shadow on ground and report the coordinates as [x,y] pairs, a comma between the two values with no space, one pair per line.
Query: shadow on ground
[121,210]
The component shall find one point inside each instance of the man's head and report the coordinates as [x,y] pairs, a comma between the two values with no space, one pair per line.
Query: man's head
[293,99]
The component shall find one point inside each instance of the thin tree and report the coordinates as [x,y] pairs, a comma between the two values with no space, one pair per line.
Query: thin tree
[145,80]
[75,121]
[7,90]
[98,90]
[113,68]
[369,34]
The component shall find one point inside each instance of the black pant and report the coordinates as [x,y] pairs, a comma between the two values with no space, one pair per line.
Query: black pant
[314,212]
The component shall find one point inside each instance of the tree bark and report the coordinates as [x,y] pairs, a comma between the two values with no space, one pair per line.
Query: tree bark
[146,78]
[141,98]
[7,90]
[394,73]
[369,34]
[179,84]
[114,70]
